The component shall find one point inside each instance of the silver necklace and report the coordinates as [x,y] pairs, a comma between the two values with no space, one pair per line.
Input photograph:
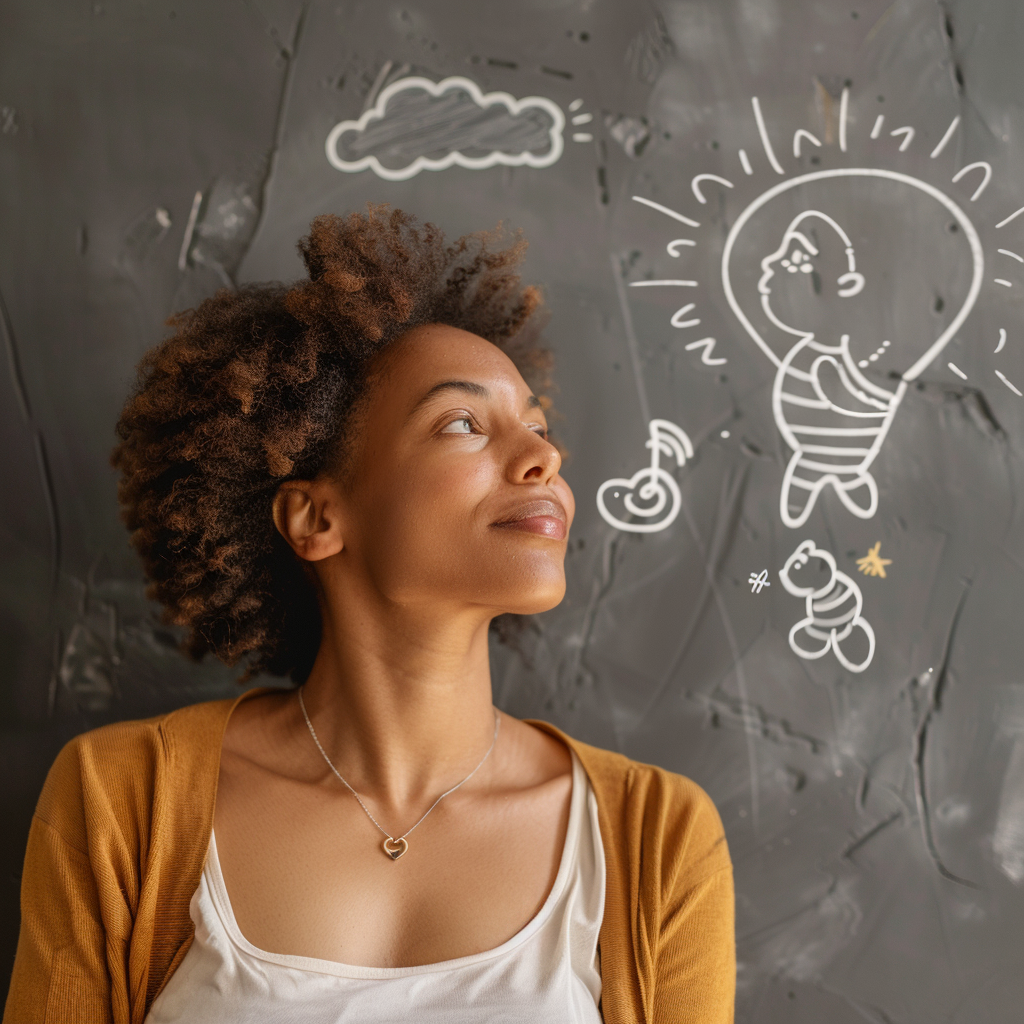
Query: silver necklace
[393,847]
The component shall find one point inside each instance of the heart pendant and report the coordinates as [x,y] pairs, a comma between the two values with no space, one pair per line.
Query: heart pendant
[394,848]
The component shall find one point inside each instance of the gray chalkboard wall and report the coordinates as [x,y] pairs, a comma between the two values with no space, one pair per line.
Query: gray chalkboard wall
[779,241]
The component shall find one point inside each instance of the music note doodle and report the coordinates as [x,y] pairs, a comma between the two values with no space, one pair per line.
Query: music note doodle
[654,486]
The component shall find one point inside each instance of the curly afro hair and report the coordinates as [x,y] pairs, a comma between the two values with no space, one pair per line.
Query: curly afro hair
[257,386]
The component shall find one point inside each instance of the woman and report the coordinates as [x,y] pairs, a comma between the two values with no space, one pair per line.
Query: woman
[347,482]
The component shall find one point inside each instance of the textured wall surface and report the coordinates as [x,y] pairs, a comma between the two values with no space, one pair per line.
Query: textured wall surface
[822,622]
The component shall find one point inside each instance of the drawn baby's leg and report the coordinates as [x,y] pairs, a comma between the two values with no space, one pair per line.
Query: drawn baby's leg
[868,504]
[799,492]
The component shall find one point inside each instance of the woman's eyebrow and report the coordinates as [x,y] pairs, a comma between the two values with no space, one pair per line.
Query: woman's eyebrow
[467,386]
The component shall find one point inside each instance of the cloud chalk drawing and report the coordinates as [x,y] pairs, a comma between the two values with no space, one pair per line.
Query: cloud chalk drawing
[417,124]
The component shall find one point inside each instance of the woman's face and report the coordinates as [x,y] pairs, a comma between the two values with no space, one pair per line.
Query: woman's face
[452,495]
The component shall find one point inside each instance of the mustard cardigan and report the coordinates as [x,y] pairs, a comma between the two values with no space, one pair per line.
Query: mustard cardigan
[119,837]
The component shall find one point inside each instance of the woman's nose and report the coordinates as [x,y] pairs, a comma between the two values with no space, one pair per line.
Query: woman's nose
[538,458]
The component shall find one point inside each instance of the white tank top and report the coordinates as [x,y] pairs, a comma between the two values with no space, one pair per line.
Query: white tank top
[547,973]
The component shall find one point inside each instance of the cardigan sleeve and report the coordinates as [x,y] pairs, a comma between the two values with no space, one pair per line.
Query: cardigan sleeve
[78,887]
[695,981]
[60,970]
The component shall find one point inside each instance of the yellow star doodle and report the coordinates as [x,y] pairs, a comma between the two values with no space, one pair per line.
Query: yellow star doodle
[872,564]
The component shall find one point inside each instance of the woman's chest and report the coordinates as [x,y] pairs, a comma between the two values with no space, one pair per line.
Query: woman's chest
[307,875]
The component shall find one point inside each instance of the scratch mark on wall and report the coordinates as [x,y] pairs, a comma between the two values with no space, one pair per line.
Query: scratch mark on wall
[618,273]
[863,840]
[38,441]
[14,363]
[933,684]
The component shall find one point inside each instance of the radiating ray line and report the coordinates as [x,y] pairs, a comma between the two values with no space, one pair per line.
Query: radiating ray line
[985,166]
[945,138]
[906,131]
[575,105]
[1002,340]
[957,370]
[877,130]
[708,344]
[1006,252]
[668,213]
[582,119]
[745,162]
[582,137]
[1013,216]
[671,247]
[676,322]
[657,284]
[765,141]
[1004,282]
[1009,385]
[844,107]
[802,133]
[695,184]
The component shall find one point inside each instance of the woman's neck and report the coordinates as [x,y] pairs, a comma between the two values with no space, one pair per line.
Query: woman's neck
[402,704]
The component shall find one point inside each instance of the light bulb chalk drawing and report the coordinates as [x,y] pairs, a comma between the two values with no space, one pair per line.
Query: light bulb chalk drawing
[833,441]
[654,484]
[832,611]
[415,118]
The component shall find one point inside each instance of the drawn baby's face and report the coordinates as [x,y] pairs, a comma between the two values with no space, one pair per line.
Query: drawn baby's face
[809,571]
[801,280]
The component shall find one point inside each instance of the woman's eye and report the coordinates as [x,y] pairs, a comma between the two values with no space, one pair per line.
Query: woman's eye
[455,428]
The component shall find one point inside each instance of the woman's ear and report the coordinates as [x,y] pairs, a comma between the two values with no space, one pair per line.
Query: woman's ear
[309,519]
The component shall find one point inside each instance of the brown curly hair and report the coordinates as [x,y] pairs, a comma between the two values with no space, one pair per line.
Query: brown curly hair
[257,386]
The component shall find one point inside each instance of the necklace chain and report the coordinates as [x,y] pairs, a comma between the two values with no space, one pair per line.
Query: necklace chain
[389,838]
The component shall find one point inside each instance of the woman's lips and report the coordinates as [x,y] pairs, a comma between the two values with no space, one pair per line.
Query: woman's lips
[543,517]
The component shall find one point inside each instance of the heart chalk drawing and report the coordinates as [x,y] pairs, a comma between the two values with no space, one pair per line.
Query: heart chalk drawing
[654,486]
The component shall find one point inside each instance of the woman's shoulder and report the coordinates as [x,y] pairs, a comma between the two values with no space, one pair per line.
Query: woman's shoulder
[640,804]
[116,770]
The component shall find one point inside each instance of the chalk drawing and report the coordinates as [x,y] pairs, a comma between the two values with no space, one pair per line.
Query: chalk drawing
[873,564]
[708,344]
[575,105]
[582,119]
[681,312]
[834,437]
[1002,340]
[908,136]
[803,133]
[763,132]
[672,247]
[844,113]
[945,138]
[1012,387]
[758,580]
[1007,252]
[662,283]
[414,118]
[877,129]
[1013,216]
[832,611]
[981,165]
[745,162]
[695,184]
[655,486]
[956,369]
[667,211]
[1003,282]
[582,137]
